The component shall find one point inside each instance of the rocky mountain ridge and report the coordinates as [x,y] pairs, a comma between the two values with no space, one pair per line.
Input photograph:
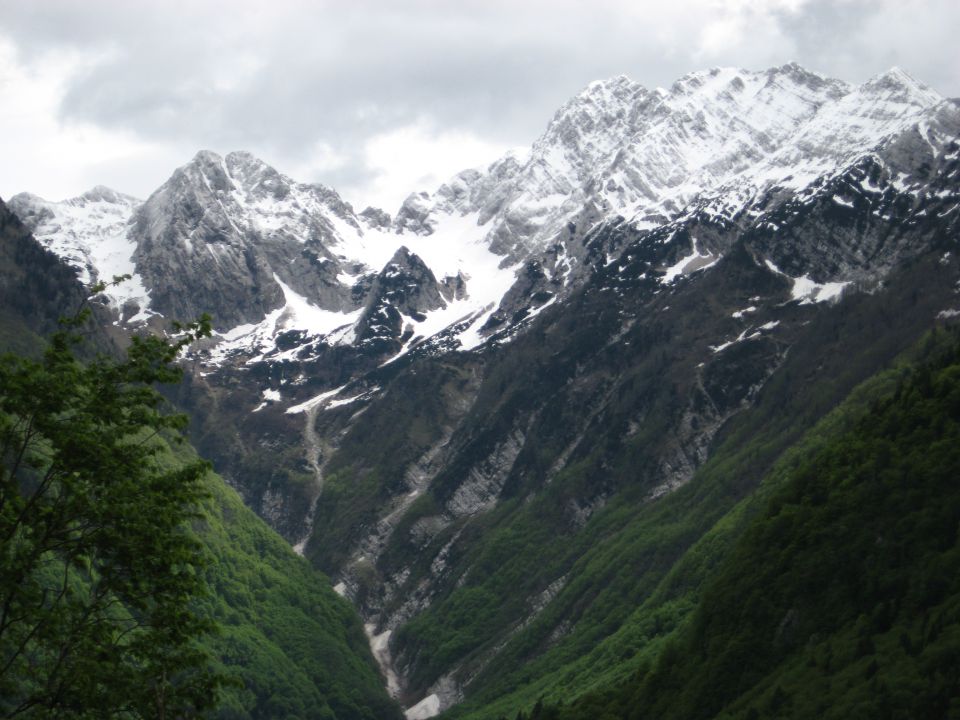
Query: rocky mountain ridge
[723,141]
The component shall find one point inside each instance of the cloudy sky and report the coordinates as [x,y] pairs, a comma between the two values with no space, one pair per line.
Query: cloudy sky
[377,98]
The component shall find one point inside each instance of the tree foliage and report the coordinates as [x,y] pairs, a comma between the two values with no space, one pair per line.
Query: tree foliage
[98,567]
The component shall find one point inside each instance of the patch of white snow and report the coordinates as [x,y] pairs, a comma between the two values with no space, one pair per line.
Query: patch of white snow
[426,708]
[314,401]
[807,290]
[692,263]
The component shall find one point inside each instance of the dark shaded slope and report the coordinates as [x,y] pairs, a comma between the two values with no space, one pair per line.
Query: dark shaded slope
[36,287]
[841,599]
[632,573]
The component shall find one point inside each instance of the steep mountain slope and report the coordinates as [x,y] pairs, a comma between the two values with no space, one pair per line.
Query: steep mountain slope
[636,569]
[36,287]
[292,363]
[840,599]
[508,547]
[511,420]
[479,523]
[296,649]
[290,646]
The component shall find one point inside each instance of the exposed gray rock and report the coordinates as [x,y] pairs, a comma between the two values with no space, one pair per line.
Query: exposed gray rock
[223,233]
[481,488]
[413,215]
[375,218]
[405,287]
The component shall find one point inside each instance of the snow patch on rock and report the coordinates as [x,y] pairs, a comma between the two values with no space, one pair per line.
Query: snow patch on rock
[807,290]
[426,708]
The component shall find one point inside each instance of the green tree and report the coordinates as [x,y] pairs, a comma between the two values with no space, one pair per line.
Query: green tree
[98,564]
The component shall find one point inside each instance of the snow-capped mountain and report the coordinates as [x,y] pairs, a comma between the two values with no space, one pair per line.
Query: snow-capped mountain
[265,254]
[262,253]
[90,232]
[648,155]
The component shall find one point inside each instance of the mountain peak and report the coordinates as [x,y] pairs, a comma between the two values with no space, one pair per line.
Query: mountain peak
[584,129]
[205,160]
[102,193]
[204,157]
[243,157]
[800,75]
[246,166]
[616,83]
[693,81]
[617,88]
[206,170]
[253,175]
[24,198]
[718,79]
[899,75]
[899,85]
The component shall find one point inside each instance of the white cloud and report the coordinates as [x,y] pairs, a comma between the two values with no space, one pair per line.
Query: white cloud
[417,157]
[40,151]
[749,33]
[319,160]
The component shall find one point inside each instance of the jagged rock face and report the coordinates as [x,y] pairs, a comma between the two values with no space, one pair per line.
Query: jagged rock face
[908,184]
[648,155]
[375,218]
[234,237]
[223,234]
[413,215]
[404,288]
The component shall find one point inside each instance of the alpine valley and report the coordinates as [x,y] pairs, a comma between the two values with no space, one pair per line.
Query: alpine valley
[577,433]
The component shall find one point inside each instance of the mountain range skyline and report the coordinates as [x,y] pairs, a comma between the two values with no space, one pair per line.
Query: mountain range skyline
[519,152]
[718,141]
[376,101]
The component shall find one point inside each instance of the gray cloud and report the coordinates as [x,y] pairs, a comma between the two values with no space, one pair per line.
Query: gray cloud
[279,78]
[856,39]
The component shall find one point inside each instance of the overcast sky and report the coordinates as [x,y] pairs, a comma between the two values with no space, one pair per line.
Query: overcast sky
[378,98]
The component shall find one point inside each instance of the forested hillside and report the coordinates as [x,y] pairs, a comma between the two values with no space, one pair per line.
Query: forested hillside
[297,649]
[841,598]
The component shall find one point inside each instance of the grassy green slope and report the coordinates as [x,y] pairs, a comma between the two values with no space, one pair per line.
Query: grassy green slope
[842,597]
[297,649]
